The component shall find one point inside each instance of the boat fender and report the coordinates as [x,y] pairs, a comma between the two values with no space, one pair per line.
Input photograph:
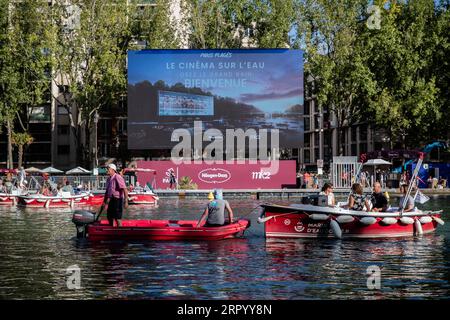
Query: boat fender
[418,225]
[345,219]
[47,204]
[14,201]
[336,229]
[406,220]
[72,203]
[389,220]
[425,220]
[368,220]
[319,216]
[438,220]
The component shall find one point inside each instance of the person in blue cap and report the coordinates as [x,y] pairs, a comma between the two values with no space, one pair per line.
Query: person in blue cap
[215,212]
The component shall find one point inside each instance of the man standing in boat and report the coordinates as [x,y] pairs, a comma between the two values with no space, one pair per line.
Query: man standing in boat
[116,196]
[379,201]
[215,211]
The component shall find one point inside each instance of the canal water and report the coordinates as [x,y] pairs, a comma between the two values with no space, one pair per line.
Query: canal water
[37,247]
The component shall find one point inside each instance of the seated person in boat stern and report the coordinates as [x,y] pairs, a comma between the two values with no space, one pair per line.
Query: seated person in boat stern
[356,200]
[327,190]
[409,202]
[215,212]
[378,199]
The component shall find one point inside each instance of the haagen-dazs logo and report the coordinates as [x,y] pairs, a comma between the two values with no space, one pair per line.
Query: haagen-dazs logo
[214,175]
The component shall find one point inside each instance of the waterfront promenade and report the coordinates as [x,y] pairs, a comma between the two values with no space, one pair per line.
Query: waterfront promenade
[276,193]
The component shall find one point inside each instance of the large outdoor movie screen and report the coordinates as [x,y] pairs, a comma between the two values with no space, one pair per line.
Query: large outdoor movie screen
[224,89]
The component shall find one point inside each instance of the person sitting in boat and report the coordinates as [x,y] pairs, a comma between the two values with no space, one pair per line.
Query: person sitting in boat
[327,190]
[356,200]
[378,199]
[215,212]
[409,206]
[68,188]
[131,188]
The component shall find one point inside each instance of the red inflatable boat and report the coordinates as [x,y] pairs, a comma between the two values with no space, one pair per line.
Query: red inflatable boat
[153,229]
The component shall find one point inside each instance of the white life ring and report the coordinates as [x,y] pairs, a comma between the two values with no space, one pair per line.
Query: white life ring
[41,200]
[345,219]
[3,199]
[319,216]
[28,201]
[368,220]
[56,200]
[425,219]
[406,220]
[389,221]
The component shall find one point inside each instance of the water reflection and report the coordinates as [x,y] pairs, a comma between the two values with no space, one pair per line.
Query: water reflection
[36,247]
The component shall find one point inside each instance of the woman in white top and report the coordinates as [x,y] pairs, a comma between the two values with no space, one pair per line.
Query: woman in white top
[327,190]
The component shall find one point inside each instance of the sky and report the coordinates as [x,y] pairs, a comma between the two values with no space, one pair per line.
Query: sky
[269,79]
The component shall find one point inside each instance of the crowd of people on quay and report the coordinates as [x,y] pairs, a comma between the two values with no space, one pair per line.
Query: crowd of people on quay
[313,180]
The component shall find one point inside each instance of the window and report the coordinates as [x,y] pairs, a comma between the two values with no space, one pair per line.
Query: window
[122,126]
[104,128]
[307,106]
[363,147]
[63,149]
[353,134]
[317,121]
[307,141]
[104,149]
[306,156]
[353,147]
[363,133]
[307,124]
[63,130]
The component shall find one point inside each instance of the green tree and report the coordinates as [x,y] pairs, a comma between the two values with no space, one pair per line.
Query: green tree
[401,53]
[24,61]
[155,25]
[329,31]
[238,23]
[89,62]
[21,140]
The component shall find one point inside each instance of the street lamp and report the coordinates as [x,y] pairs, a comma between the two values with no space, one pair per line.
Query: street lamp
[95,151]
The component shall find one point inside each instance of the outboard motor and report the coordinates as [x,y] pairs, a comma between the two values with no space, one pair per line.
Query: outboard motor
[82,218]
